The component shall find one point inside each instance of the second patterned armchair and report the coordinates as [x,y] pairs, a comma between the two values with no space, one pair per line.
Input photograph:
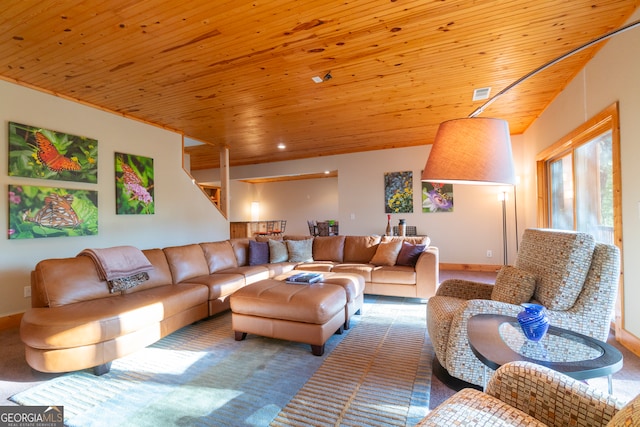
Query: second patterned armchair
[574,277]
[525,394]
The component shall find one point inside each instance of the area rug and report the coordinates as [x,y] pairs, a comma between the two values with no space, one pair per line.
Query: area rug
[377,373]
[380,375]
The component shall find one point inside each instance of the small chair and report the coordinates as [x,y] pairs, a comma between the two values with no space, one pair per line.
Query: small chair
[312,228]
[276,228]
[323,228]
[526,394]
[334,229]
[410,230]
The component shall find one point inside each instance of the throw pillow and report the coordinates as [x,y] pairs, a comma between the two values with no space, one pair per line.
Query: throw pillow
[278,251]
[513,285]
[124,283]
[258,253]
[409,254]
[300,250]
[387,253]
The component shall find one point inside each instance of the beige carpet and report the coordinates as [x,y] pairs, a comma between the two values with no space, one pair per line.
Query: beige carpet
[378,376]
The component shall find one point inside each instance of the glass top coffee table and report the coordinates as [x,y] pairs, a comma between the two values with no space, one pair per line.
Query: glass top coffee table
[497,339]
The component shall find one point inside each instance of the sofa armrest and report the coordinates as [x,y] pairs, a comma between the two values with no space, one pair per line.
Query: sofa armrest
[427,272]
[465,289]
[549,396]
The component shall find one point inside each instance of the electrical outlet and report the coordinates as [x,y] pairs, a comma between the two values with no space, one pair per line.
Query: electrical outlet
[489,253]
[27,291]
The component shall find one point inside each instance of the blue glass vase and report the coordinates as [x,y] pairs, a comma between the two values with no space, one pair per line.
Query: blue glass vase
[533,321]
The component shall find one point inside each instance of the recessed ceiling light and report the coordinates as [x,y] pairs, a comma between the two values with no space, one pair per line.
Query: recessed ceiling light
[282,146]
[481,93]
[327,172]
[319,79]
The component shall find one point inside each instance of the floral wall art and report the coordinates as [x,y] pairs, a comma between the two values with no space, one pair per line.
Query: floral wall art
[398,192]
[51,212]
[437,197]
[45,154]
[134,184]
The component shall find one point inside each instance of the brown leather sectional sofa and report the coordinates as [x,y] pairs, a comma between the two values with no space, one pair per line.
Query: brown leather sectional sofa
[76,323]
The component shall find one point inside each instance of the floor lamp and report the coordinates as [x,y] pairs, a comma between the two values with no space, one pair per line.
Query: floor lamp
[505,246]
[477,150]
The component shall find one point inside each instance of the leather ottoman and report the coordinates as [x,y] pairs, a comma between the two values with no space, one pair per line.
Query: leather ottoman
[353,285]
[296,312]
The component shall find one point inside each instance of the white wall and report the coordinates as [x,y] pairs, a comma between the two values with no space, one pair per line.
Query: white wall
[612,75]
[463,236]
[183,214]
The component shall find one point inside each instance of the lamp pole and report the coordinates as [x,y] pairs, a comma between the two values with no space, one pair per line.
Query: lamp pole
[504,228]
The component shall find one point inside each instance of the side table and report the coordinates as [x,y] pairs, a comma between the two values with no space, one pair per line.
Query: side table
[497,339]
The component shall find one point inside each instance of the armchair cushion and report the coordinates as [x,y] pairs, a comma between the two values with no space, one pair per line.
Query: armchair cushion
[560,260]
[513,285]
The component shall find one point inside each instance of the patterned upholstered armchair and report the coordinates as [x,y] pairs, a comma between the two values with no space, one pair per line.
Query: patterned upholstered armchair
[525,394]
[574,277]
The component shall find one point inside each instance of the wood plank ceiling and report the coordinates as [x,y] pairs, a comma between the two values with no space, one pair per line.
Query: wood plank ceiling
[239,73]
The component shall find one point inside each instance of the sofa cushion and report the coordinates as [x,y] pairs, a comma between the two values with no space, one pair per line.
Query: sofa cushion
[328,248]
[63,281]
[317,266]
[278,251]
[103,319]
[160,275]
[513,285]
[360,249]
[300,250]
[219,255]
[387,253]
[409,254]
[363,270]
[258,252]
[560,260]
[186,262]
[417,240]
[240,247]
[394,274]
[220,285]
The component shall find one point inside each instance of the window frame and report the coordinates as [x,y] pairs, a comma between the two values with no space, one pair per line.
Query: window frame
[606,120]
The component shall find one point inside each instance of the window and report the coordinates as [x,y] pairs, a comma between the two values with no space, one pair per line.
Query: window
[579,180]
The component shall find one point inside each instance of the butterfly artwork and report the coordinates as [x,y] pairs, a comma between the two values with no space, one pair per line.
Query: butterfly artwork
[129,176]
[56,212]
[134,184]
[45,154]
[51,212]
[49,156]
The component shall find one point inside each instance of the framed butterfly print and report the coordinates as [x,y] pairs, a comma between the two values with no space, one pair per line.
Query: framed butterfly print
[134,185]
[51,212]
[46,154]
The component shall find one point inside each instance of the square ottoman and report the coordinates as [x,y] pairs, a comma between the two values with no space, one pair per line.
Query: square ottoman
[296,312]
